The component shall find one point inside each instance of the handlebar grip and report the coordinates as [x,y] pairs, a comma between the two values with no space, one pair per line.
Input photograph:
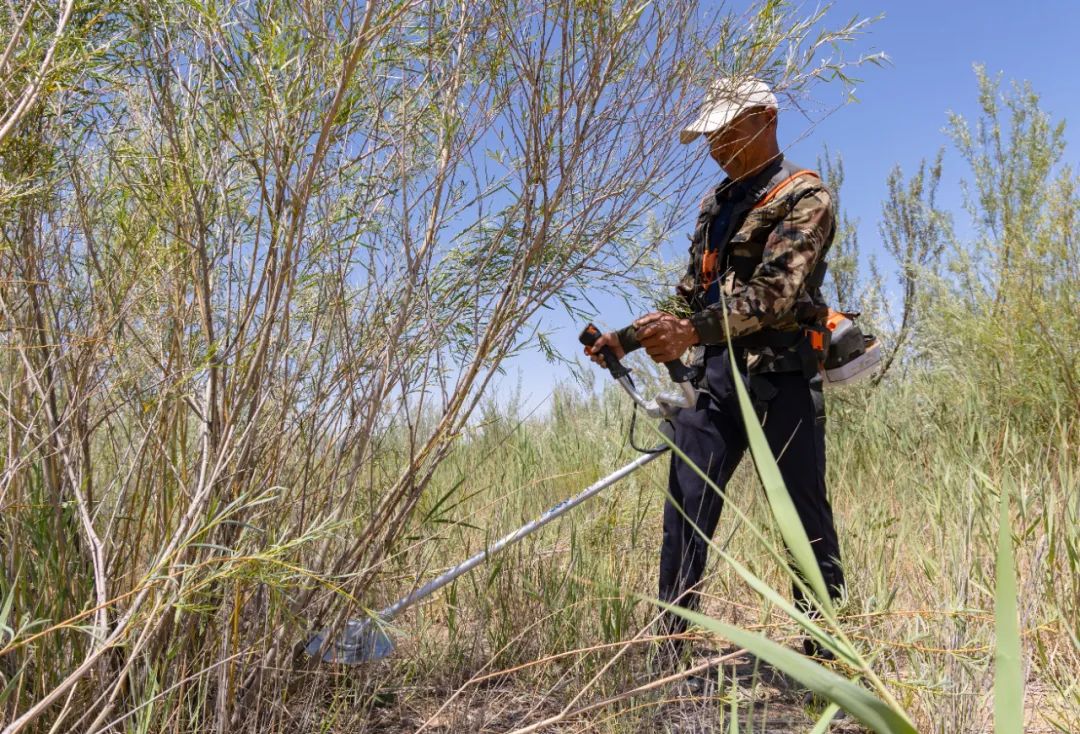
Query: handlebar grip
[679,372]
[588,337]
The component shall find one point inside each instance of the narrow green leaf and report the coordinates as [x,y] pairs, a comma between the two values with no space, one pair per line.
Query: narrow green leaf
[630,19]
[437,506]
[783,509]
[9,601]
[1008,671]
[826,718]
[13,683]
[856,700]
[775,598]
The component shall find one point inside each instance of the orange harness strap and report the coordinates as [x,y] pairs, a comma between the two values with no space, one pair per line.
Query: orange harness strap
[776,189]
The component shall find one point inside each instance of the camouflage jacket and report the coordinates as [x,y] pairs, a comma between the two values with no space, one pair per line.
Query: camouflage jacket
[762,243]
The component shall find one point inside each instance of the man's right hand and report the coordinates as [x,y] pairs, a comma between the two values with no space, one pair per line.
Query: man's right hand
[610,339]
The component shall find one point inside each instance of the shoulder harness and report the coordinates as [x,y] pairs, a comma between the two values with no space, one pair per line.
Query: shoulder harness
[780,176]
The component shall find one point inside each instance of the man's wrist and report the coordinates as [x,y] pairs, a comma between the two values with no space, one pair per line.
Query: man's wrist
[628,338]
[691,331]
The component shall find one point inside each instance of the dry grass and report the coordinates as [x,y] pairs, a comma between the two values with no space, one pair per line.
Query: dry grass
[918,543]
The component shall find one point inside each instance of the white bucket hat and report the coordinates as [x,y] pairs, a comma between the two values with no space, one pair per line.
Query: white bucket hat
[726,99]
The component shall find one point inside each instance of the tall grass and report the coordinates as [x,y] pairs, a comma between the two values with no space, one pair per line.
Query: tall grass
[916,471]
[259,264]
[916,488]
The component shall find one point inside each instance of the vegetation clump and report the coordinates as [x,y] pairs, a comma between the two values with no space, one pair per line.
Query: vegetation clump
[260,265]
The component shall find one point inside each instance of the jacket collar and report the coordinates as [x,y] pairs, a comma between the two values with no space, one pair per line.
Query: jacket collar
[753,187]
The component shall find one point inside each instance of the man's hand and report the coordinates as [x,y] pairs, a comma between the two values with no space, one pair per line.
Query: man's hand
[610,339]
[665,337]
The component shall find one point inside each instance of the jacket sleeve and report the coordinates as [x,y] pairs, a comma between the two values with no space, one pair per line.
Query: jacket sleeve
[628,339]
[790,255]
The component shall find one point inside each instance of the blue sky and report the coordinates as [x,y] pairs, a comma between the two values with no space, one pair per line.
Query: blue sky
[900,116]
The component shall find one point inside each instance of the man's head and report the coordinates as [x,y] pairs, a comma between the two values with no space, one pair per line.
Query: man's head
[739,123]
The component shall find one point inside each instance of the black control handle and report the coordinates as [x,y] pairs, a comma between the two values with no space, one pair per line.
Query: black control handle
[588,337]
[679,372]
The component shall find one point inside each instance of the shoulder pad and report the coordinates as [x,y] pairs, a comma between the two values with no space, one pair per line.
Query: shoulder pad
[788,179]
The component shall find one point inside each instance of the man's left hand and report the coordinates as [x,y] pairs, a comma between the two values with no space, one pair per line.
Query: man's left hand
[665,337]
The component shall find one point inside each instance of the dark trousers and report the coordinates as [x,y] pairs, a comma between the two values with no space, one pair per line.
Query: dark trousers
[713,437]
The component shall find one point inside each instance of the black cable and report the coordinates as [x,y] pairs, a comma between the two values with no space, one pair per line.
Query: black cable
[633,425]
[630,435]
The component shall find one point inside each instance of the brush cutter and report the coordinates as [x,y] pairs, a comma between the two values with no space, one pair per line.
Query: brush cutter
[663,405]
[366,640]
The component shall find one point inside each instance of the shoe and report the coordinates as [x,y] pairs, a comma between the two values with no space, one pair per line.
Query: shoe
[695,686]
[813,649]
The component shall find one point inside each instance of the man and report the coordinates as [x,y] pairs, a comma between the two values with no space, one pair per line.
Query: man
[760,240]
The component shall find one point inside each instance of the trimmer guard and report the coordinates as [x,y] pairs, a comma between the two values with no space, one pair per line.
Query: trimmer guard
[361,641]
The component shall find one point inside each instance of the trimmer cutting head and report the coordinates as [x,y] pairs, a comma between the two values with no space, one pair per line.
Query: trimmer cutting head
[360,642]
